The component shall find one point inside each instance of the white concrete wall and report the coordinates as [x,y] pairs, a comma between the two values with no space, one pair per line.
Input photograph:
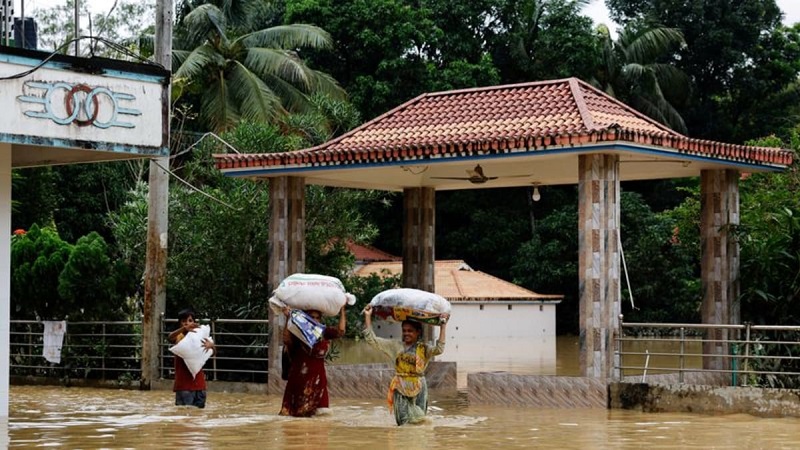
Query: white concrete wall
[510,337]
[490,320]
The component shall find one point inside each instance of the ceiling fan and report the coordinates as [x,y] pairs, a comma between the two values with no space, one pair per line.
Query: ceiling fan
[476,176]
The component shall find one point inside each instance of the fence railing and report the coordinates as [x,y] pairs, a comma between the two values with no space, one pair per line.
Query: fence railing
[112,350]
[242,350]
[735,355]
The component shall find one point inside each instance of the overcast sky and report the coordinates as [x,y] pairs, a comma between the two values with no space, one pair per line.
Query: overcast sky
[597,9]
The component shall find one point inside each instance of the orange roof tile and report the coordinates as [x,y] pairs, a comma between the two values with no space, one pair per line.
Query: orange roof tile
[499,119]
[456,281]
[368,253]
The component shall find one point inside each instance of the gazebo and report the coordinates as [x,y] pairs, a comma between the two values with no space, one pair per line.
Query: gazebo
[533,134]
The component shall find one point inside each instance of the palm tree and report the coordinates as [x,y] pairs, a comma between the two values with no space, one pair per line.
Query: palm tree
[630,71]
[256,76]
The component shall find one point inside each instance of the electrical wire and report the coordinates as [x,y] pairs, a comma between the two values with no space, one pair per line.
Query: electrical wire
[57,51]
[172,174]
[197,142]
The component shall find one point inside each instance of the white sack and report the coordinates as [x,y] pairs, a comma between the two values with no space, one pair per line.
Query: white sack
[191,349]
[311,291]
[414,299]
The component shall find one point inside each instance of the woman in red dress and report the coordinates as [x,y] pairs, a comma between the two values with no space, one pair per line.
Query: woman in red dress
[307,385]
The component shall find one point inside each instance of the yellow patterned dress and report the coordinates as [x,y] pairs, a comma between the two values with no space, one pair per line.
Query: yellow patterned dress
[408,391]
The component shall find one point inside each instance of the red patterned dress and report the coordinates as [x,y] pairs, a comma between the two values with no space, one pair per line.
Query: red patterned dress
[307,387]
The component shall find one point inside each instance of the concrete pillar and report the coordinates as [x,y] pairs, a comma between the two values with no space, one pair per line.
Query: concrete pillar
[5,281]
[286,256]
[598,268]
[719,265]
[419,227]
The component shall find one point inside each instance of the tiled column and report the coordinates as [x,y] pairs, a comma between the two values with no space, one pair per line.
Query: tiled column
[286,256]
[719,265]
[5,283]
[598,268]
[419,210]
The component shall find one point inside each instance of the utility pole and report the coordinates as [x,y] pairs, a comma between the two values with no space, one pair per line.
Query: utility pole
[77,26]
[155,276]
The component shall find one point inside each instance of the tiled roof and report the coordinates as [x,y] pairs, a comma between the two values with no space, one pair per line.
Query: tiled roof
[368,253]
[501,119]
[456,281]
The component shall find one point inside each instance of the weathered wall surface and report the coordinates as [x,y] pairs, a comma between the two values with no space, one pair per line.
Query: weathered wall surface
[502,388]
[705,399]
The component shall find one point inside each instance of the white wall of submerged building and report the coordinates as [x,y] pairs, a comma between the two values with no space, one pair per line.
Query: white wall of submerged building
[515,337]
[479,320]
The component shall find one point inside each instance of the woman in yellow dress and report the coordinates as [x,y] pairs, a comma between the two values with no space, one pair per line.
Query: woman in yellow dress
[408,391]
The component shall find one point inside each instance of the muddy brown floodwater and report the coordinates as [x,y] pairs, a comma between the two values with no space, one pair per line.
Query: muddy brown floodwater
[58,417]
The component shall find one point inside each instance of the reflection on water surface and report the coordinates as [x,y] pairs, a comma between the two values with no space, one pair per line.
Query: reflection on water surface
[95,418]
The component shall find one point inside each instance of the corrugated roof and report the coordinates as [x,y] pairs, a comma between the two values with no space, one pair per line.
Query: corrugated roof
[456,281]
[499,119]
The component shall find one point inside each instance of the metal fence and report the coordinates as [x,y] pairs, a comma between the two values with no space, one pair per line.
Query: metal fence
[740,355]
[112,350]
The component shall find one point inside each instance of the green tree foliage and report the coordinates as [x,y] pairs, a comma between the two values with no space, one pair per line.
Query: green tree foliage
[34,196]
[737,55]
[37,259]
[87,193]
[631,69]
[75,199]
[548,263]
[467,227]
[769,238]
[388,51]
[544,39]
[52,279]
[662,269]
[254,76]
[365,288]
[93,283]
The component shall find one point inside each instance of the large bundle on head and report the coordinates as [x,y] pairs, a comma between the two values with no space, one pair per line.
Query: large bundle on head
[311,291]
[410,304]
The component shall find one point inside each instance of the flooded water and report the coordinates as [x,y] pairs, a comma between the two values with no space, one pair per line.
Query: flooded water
[95,418]
[540,356]
[532,356]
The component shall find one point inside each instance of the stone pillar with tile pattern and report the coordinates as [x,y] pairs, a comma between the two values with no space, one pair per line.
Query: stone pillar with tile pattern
[287,225]
[419,211]
[598,267]
[719,265]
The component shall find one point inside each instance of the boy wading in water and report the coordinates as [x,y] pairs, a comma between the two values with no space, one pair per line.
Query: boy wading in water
[189,390]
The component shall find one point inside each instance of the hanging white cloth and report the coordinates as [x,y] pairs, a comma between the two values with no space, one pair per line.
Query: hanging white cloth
[53,339]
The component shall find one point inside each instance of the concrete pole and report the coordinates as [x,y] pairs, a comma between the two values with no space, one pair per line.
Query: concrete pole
[155,286]
[6,16]
[5,285]
[77,26]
